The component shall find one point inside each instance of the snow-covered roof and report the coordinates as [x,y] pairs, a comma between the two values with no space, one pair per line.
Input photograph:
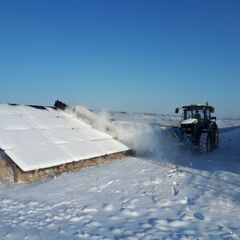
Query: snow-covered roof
[36,138]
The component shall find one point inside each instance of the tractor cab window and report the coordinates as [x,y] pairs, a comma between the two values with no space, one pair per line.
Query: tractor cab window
[197,114]
[200,114]
[207,115]
[187,114]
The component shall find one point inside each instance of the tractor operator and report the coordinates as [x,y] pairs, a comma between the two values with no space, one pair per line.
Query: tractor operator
[197,115]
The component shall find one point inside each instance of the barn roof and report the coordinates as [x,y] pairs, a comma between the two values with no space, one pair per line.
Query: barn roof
[41,137]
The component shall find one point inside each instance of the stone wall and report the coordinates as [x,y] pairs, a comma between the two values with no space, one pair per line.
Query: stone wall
[6,169]
[10,172]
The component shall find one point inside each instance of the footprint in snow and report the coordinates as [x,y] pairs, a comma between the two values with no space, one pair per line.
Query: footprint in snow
[88,209]
[33,203]
[130,213]
[114,218]
[93,224]
[77,219]
[199,215]
[117,231]
[108,207]
[51,225]
[191,201]
[175,192]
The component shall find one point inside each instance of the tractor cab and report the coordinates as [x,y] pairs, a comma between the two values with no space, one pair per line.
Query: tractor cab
[202,113]
[197,121]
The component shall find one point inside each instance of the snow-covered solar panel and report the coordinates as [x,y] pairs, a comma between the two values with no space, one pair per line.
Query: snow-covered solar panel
[36,138]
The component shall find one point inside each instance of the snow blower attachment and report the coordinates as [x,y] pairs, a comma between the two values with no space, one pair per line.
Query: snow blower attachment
[197,127]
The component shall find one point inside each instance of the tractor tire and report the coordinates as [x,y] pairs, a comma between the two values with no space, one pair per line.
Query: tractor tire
[214,134]
[206,142]
[209,143]
[216,138]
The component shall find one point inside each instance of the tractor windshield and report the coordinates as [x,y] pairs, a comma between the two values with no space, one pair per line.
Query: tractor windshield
[200,114]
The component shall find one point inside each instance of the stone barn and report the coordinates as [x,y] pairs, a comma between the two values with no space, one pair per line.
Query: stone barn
[38,142]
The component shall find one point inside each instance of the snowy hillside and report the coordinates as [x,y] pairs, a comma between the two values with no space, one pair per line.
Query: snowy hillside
[164,193]
[164,119]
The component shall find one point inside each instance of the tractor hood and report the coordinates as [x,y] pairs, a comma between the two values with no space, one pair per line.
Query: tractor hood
[189,121]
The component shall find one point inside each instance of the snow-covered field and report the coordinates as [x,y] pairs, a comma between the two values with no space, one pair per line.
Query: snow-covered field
[163,193]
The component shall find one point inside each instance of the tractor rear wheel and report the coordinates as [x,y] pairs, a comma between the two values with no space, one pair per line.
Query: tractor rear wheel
[216,138]
[213,130]
[209,143]
[206,142]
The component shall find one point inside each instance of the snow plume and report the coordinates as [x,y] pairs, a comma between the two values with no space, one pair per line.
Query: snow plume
[144,139]
[148,141]
[98,121]
[139,137]
[167,149]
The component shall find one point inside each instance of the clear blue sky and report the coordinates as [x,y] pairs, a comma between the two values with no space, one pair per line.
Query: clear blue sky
[134,55]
